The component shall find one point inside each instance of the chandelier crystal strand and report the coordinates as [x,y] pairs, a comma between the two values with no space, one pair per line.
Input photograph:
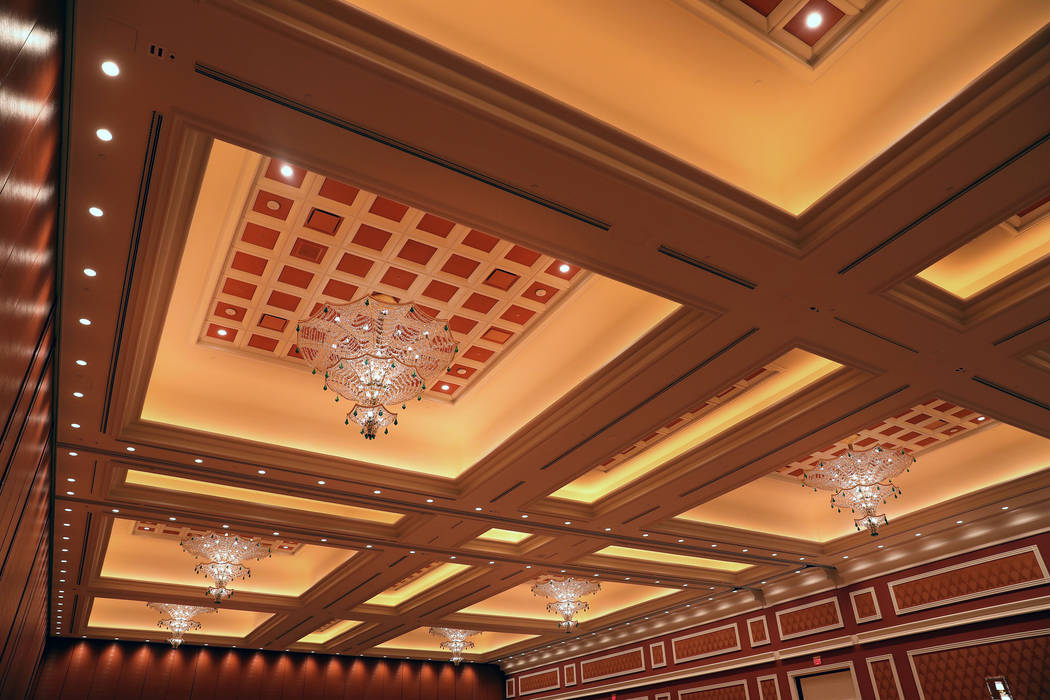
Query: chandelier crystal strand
[179,619]
[223,555]
[861,480]
[376,353]
[565,594]
[456,641]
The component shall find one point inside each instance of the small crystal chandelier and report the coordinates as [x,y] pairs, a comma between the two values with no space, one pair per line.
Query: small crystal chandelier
[862,480]
[376,353]
[179,619]
[456,641]
[222,555]
[565,594]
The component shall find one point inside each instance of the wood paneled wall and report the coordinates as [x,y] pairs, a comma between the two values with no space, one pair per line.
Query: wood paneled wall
[91,668]
[30,97]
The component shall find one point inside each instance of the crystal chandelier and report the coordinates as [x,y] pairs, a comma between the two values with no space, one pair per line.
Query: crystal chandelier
[179,619]
[376,353]
[565,594]
[222,555]
[862,480]
[456,641]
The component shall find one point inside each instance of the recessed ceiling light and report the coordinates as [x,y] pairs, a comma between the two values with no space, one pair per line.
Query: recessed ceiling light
[71,493]
[814,20]
[221,331]
[774,554]
[524,515]
[116,510]
[980,417]
[681,541]
[276,534]
[321,482]
[608,529]
[368,546]
[198,460]
[958,522]
[286,170]
[130,449]
[71,479]
[645,534]
[260,471]
[225,527]
[845,556]
[171,518]
[492,562]
[324,539]
[477,507]
[563,268]
[430,500]
[568,522]
[104,134]
[714,545]
[453,556]
[110,68]
[89,272]
[68,510]
[880,546]
[1005,508]
[444,387]
[95,211]
[82,363]
[918,534]
[376,491]
[528,566]
[78,394]
[743,550]
[85,321]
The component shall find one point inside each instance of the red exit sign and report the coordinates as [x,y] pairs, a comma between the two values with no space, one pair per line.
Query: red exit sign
[816,661]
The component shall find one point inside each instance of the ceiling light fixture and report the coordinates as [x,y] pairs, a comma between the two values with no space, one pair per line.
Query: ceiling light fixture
[814,20]
[286,170]
[179,619]
[110,68]
[223,556]
[104,134]
[565,594]
[862,480]
[82,363]
[563,268]
[88,272]
[85,321]
[376,353]
[95,212]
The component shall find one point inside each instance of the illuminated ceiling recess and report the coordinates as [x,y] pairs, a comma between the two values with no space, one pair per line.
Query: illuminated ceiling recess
[862,481]
[565,594]
[455,640]
[223,555]
[179,619]
[377,353]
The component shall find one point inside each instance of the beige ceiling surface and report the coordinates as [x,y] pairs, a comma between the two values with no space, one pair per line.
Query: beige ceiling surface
[975,461]
[786,135]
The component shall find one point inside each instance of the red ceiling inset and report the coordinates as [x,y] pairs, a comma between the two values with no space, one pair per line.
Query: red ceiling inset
[763,7]
[329,242]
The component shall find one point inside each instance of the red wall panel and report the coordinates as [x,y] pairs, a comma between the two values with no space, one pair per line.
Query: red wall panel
[92,668]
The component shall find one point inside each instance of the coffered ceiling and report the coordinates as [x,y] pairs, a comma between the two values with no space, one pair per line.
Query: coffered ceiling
[650,357]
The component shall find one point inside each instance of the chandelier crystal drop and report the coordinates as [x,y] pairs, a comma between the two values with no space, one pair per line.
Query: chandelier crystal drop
[565,594]
[179,619]
[861,480]
[376,353]
[455,641]
[222,555]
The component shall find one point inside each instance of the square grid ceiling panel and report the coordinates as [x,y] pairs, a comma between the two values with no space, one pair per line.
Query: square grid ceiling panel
[305,240]
[923,426]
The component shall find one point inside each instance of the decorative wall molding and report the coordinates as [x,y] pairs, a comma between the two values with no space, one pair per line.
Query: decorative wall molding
[998,639]
[568,674]
[883,671]
[539,681]
[657,655]
[865,605]
[618,663]
[1017,568]
[705,692]
[768,687]
[708,642]
[811,618]
[510,688]
[758,631]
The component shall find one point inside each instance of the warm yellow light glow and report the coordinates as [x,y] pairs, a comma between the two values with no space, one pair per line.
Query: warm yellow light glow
[236,493]
[420,639]
[664,557]
[392,597]
[519,602]
[798,369]
[114,613]
[497,535]
[991,257]
[330,633]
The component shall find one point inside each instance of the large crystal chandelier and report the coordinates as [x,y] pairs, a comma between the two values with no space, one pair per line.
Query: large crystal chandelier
[222,556]
[862,480]
[376,353]
[456,641]
[179,619]
[565,594]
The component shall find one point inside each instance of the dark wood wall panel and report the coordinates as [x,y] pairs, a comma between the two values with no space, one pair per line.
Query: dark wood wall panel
[91,668]
[30,83]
